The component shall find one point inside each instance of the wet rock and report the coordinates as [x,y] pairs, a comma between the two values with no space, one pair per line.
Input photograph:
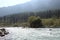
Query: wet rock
[50,29]
[3,32]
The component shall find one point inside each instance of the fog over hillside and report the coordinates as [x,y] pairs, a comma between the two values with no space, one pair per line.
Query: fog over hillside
[34,5]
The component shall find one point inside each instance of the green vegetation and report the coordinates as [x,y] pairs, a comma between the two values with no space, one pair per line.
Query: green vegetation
[15,25]
[50,18]
[35,22]
[51,22]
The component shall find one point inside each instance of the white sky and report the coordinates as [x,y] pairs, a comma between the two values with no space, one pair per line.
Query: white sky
[5,3]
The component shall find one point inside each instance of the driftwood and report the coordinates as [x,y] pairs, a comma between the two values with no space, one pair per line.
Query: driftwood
[3,32]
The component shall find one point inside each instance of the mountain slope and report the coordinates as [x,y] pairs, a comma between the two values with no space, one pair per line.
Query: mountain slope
[34,5]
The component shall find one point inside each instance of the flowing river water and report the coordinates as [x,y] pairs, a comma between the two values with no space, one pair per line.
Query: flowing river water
[18,33]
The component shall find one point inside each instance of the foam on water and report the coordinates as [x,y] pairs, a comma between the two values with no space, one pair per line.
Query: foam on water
[32,34]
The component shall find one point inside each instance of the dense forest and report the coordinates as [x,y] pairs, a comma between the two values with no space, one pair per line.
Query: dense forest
[23,17]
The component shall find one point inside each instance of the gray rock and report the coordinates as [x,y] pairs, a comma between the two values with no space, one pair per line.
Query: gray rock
[3,32]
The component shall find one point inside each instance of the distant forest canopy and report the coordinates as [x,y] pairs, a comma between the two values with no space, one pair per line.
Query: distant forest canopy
[23,17]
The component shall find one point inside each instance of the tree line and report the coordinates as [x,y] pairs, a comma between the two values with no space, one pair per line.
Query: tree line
[23,17]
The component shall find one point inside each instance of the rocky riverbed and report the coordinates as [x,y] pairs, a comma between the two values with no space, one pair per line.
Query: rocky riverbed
[18,33]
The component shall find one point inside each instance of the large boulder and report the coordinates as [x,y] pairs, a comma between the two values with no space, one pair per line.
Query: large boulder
[3,32]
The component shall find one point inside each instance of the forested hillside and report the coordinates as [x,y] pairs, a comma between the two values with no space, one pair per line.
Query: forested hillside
[23,17]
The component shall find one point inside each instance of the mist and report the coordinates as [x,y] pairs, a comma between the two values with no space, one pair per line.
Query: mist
[33,5]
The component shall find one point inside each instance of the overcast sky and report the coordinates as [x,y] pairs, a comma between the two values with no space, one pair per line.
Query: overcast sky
[5,3]
[28,5]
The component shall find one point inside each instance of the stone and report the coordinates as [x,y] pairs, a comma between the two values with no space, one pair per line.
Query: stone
[3,32]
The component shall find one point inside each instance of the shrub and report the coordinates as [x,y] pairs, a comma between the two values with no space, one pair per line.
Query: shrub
[35,22]
[32,18]
[52,22]
[15,25]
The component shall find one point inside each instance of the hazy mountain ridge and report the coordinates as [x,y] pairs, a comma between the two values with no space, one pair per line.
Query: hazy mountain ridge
[34,5]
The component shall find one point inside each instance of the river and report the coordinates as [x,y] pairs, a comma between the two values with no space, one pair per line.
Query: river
[18,33]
